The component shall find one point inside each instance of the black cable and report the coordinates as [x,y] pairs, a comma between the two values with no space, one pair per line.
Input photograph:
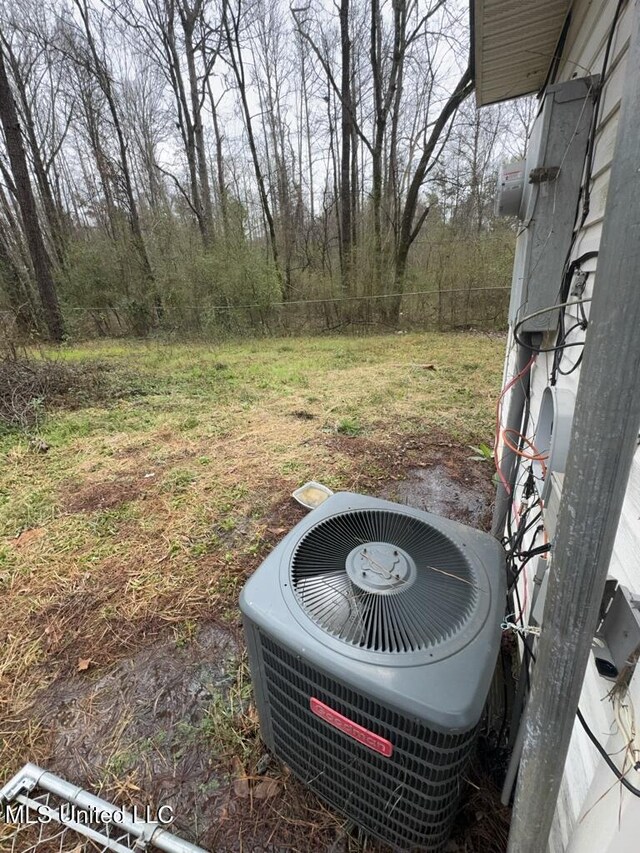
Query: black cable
[573,368]
[523,637]
[603,752]
[505,698]
[523,528]
[539,350]
[516,575]
[529,524]
[561,346]
[530,553]
[512,574]
[583,316]
[557,56]
[561,338]
[586,204]
[579,324]
[514,541]
[515,545]
[594,740]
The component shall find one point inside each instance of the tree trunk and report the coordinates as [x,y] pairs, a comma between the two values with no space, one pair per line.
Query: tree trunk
[46,194]
[345,154]
[184,122]
[408,229]
[188,19]
[222,184]
[24,193]
[231,25]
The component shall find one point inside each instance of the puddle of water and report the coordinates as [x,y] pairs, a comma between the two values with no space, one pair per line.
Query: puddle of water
[147,719]
[435,490]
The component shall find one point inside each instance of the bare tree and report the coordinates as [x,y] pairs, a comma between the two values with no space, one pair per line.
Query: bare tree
[410,223]
[232,24]
[94,60]
[22,186]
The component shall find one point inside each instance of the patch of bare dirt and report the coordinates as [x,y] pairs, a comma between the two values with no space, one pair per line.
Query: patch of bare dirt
[142,726]
[107,494]
[436,489]
[28,537]
[162,728]
[428,471]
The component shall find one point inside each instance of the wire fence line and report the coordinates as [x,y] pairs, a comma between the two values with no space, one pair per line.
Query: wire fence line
[440,309]
[321,300]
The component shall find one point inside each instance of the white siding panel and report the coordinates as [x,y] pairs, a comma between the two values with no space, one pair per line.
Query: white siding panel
[599,189]
[584,48]
[605,145]
[588,241]
[614,83]
[607,805]
[627,544]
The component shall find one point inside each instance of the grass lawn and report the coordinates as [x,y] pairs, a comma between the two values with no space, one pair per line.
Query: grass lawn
[124,546]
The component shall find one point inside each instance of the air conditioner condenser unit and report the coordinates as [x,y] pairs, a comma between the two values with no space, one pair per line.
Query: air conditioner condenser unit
[373,631]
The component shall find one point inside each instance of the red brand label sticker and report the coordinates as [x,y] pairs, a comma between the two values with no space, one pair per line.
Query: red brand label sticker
[359,733]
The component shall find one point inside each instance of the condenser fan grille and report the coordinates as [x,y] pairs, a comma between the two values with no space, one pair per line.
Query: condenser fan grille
[383,580]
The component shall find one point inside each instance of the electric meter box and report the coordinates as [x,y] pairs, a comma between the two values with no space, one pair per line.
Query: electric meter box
[511,179]
[553,175]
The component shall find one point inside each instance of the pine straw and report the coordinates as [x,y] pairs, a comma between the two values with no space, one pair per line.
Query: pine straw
[483,824]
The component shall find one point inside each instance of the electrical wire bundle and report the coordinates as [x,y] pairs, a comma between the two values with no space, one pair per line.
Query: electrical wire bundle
[573,269]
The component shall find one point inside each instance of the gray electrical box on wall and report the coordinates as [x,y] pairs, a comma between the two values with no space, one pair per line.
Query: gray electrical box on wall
[553,175]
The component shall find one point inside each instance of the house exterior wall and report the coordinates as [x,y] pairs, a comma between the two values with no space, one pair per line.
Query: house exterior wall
[594,813]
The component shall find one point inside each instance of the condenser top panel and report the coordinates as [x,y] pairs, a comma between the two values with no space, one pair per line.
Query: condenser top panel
[398,603]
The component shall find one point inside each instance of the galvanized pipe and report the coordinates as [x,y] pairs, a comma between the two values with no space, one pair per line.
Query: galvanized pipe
[518,397]
[32,776]
[604,440]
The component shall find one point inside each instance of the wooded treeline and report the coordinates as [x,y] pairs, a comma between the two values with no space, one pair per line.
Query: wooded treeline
[201,165]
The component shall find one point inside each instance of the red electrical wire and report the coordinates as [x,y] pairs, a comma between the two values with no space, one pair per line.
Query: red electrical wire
[499,430]
[534,456]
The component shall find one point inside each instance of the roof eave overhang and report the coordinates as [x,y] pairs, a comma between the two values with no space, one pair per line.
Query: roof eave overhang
[514,46]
